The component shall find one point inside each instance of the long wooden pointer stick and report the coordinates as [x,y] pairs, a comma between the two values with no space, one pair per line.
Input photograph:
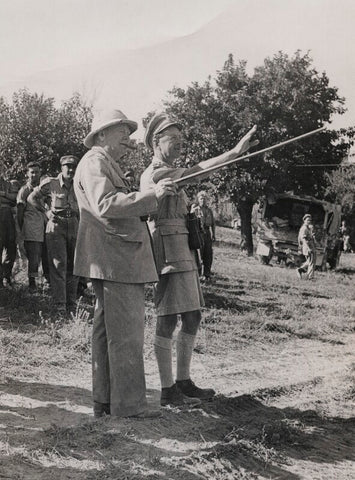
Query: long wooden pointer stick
[202,173]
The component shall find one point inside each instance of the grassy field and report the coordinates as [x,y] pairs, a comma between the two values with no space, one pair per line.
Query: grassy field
[278,351]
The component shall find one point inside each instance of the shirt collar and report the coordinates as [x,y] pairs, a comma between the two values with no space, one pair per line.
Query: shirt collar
[114,164]
[97,148]
[62,183]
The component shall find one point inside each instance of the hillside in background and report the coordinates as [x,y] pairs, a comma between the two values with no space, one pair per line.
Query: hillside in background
[137,80]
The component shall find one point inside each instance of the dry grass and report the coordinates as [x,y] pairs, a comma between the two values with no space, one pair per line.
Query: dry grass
[285,345]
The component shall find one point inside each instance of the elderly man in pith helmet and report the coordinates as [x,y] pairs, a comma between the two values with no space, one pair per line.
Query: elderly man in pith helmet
[178,291]
[114,251]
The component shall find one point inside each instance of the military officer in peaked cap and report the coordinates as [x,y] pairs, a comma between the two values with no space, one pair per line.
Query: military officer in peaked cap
[178,290]
[114,251]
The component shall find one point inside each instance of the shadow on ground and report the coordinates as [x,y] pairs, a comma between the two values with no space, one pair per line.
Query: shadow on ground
[51,434]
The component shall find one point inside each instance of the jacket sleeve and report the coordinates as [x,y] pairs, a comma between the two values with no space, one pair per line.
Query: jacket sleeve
[109,201]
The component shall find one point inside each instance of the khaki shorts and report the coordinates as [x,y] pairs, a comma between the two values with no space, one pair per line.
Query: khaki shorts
[178,293]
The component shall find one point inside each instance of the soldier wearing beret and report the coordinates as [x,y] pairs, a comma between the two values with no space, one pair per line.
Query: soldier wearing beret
[114,251]
[61,231]
[178,290]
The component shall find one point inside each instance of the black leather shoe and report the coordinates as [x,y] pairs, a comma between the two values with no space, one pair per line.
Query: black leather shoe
[188,388]
[174,397]
[149,413]
[101,409]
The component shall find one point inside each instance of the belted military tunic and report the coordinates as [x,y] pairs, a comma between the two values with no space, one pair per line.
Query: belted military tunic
[178,289]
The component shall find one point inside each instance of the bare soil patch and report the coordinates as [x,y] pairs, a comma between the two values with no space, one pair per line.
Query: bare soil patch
[279,352]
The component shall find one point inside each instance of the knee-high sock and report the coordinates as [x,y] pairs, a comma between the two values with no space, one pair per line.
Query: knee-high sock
[184,347]
[162,348]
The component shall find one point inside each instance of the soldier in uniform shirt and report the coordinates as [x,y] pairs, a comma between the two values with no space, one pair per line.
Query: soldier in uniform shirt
[8,193]
[61,231]
[32,224]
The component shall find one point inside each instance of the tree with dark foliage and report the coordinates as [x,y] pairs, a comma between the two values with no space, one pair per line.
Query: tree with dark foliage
[33,128]
[285,97]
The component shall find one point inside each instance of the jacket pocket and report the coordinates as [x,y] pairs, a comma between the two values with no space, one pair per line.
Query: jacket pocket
[130,231]
[175,243]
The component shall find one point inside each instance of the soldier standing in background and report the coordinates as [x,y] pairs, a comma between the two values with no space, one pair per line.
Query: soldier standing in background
[61,231]
[209,233]
[8,193]
[32,223]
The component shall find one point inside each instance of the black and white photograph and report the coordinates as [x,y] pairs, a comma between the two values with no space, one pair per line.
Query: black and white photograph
[177,240]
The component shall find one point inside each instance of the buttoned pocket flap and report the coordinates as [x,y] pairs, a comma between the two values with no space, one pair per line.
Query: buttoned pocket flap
[175,242]
[59,200]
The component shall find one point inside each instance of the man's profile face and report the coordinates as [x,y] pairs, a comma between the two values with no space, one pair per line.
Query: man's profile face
[68,171]
[117,139]
[170,143]
[33,175]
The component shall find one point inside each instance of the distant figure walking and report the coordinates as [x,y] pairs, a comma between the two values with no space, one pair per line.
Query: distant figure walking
[345,236]
[307,245]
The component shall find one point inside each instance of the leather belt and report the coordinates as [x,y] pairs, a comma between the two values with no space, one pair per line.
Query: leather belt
[65,214]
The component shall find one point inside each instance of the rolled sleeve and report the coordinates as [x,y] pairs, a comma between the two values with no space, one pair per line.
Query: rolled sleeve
[22,195]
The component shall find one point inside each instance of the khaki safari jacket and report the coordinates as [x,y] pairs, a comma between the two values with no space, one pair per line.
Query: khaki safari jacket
[113,242]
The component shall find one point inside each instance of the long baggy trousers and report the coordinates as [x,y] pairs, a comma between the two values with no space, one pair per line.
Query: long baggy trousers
[207,252]
[60,242]
[308,266]
[7,242]
[117,347]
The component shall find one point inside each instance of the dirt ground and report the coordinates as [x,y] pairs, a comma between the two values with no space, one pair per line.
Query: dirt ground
[279,352]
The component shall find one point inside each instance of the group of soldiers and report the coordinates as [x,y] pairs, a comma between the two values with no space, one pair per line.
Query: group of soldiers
[40,219]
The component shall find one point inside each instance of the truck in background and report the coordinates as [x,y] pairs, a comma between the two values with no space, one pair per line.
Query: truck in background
[278,220]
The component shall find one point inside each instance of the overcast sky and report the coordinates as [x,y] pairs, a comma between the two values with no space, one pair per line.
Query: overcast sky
[37,35]
[44,34]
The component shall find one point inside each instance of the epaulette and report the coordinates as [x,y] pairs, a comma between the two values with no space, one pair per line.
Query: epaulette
[46,180]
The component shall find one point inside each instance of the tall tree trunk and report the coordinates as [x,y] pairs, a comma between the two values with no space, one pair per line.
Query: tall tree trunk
[245,208]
